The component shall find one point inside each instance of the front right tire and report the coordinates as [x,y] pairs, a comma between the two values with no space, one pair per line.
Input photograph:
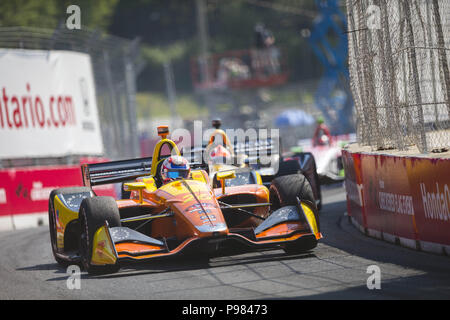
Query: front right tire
[284,191]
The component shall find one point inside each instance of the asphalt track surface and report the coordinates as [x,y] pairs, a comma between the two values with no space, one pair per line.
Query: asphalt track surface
[336,269]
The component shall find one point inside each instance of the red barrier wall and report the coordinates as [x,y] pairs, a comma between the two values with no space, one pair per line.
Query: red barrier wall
[353,186]
[407,198]
[26,190]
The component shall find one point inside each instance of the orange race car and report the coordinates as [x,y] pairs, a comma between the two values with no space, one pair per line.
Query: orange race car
[174,209]
[254,160]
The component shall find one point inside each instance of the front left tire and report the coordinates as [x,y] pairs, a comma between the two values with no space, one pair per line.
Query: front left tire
[92,215]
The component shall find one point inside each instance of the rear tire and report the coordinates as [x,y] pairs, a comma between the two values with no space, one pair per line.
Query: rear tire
[93,214]
[52,223]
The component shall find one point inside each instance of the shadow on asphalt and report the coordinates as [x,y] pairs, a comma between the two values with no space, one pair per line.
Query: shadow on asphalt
[189,263]
[225,258]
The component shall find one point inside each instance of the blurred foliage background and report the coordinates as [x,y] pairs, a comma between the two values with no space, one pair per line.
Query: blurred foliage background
[168,32]
[168,29]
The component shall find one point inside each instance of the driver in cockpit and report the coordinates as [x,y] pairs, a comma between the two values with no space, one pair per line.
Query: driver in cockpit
[173,168]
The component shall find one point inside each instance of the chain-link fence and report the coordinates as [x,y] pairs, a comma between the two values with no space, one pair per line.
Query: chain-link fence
[115,63]
[399,55]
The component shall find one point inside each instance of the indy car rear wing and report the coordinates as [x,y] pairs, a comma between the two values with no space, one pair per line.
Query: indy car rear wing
[119,171]
[115,171]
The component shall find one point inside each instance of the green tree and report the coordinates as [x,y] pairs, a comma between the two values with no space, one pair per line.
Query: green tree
[168,30]
[30,13]
[49,13]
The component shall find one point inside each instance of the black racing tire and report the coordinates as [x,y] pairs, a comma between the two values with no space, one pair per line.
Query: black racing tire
[92,215]
[52,224]
[284,191]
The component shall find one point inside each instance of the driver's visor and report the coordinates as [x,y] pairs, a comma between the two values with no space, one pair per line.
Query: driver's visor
[177,173]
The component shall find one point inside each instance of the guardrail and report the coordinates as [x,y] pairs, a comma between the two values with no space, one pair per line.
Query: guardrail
[24,193]
[400,199]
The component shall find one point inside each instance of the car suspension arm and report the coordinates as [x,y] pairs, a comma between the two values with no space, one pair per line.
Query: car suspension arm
[239,208]
[148,216]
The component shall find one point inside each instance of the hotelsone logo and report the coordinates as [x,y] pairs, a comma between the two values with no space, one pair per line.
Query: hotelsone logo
[397,203]
[436,204]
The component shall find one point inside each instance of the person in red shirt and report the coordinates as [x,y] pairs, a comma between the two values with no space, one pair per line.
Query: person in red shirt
[322,134]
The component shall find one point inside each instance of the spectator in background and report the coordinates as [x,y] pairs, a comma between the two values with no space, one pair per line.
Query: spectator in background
[272,51]
[259,36]
[266,57]
[322,134]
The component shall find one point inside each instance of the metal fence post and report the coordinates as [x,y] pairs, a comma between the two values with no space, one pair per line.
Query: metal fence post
[130,85]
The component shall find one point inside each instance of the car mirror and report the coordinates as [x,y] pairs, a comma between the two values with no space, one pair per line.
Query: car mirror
[140,186]
[225,175]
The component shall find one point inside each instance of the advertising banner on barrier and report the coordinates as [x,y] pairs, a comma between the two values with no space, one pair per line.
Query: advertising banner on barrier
[47,105]
[388,199]
[429,180]
[26,190]
[29,188]
[354,186]
[6,192]
[400,197]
